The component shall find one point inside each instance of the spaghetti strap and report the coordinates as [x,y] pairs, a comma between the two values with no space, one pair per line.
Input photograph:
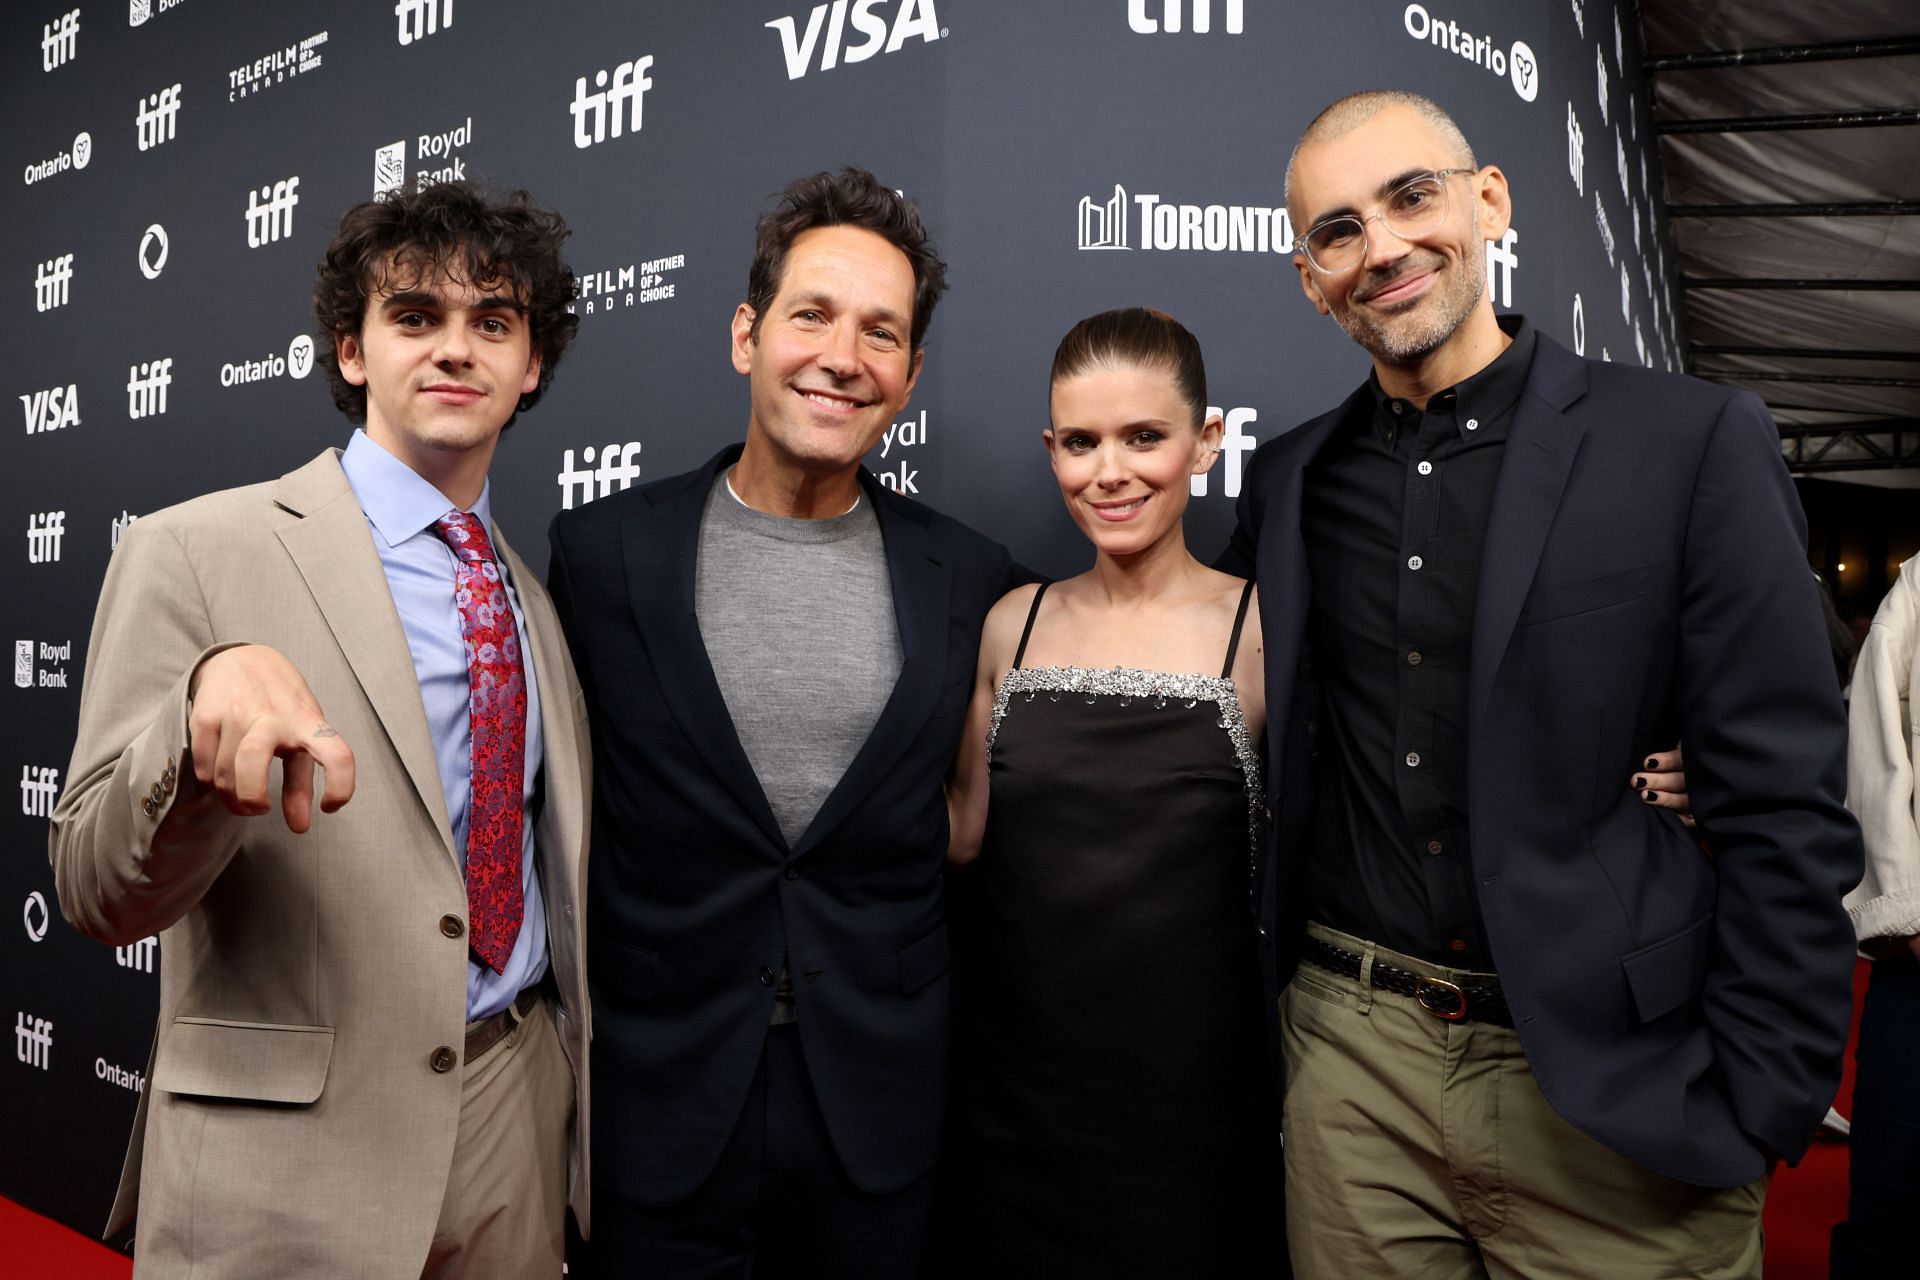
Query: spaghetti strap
[1233,644]
[1032,613]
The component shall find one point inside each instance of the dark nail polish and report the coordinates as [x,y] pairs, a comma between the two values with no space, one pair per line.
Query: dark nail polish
[1651,762]
[1650,796]
[1639,784]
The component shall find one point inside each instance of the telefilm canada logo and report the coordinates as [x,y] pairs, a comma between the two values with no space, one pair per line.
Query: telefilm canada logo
[41,664]
[615,105]
[1169,226]
[823,44]
[154,119]
[1151,17]
[1516,61]
[51,408]
[76,156]
[637,284]
[60,41]
[422,18]
[300,58]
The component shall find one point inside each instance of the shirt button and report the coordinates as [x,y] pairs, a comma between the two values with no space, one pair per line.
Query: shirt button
[1425,468]
[1396,406]
[1413,759]
[1473,424]
[766,976]
[451,926]
[1414,659]
[443,1059]
[1414,562]
[1434,846]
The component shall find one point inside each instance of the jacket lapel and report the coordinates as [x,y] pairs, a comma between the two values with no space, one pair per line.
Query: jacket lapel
[333,550]
[1539,458]
[565,800]
[661,544]
[922,578]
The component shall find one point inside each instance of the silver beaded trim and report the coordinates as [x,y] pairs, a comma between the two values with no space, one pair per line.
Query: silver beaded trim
[1130,683]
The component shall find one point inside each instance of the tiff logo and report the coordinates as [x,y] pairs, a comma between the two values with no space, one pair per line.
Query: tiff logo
[1170,10]
[121,523]
[33,1037]
[137,956]
[147,384]
[59,40]
[421,18]
[52,409]
[39,784]
[44,532]
[622,101]
[1576,152]
[1104,226]
[1234,442]
[53,282]
[1501,260]
[155,116]
[274,219]
[617,466]
[915,18]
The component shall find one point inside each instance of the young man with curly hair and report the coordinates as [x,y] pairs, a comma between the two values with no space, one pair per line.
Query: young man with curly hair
[370,1058]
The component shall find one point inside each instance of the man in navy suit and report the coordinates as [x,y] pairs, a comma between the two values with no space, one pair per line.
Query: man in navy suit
[1527,1028]
[778,654]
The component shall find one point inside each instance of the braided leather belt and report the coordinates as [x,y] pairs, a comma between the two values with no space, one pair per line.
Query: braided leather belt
[1477,1001]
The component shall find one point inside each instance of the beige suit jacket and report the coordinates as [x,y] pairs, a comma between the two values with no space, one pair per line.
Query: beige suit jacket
[293,1124]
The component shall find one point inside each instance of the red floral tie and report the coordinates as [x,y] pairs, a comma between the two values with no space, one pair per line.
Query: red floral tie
[497,713]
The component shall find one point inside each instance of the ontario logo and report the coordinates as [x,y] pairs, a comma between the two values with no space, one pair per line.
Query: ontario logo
[1517,61]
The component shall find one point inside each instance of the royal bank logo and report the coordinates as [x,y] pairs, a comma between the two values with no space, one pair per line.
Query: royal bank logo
[147,384]
[826,32]
[907,434]
[137,955]
[1516,61]
[1150,17]
[270,211]
[153,251]
[121,523]
[617,469]
[138,11]
[296,363]
[619,103]
[637,284]
[300,58]
[39,788]
[42,664]
[76,156]
[36,917]
[33,1037]
[60,41]
[1603,226]
[53,283]
[51,409]
[390,161]
[389,169]
[1171,227]
[421,18]
[155,115]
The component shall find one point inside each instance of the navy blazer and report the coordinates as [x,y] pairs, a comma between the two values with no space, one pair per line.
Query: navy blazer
[1644,582]
[694,895]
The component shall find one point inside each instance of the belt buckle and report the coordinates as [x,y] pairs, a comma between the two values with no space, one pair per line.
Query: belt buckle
[1423,994]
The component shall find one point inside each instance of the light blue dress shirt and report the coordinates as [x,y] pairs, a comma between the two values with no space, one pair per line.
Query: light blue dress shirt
[401,507]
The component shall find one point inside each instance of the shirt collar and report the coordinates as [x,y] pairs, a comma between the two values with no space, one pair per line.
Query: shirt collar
[398,500]
[1486,396]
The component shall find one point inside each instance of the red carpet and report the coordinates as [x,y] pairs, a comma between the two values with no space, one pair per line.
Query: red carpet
[1801,1209]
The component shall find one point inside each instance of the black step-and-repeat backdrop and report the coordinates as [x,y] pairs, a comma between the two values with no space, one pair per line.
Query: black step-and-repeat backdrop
[181,164]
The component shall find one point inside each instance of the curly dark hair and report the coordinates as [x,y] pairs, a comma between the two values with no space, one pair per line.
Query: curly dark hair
[851,198]
[388,246]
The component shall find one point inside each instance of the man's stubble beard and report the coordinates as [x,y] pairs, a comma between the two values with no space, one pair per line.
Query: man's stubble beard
[1397,344]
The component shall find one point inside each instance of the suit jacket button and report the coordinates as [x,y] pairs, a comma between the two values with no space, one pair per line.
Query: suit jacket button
[155,794]
[451,926]
[766,976]
[148,807]
[793,873]
[443,1059]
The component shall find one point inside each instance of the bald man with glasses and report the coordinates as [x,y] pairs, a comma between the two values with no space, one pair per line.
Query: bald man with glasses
[1528,1030]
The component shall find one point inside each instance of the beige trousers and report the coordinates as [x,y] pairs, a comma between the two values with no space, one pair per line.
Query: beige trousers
[1423,1148]
[506,1208]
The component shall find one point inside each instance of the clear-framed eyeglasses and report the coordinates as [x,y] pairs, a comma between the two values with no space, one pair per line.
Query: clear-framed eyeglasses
[1414,208]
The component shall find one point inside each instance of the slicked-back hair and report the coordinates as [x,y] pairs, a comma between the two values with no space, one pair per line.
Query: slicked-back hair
[1136,337]
[1356,109]
[455,230]
[851,198]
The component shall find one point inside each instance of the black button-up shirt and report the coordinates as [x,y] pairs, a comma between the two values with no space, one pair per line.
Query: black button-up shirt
[1395,513]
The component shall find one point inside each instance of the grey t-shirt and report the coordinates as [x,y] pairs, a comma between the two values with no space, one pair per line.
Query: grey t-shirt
[798,621]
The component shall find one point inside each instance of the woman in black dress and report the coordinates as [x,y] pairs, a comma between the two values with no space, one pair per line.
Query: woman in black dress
[1112,1112]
